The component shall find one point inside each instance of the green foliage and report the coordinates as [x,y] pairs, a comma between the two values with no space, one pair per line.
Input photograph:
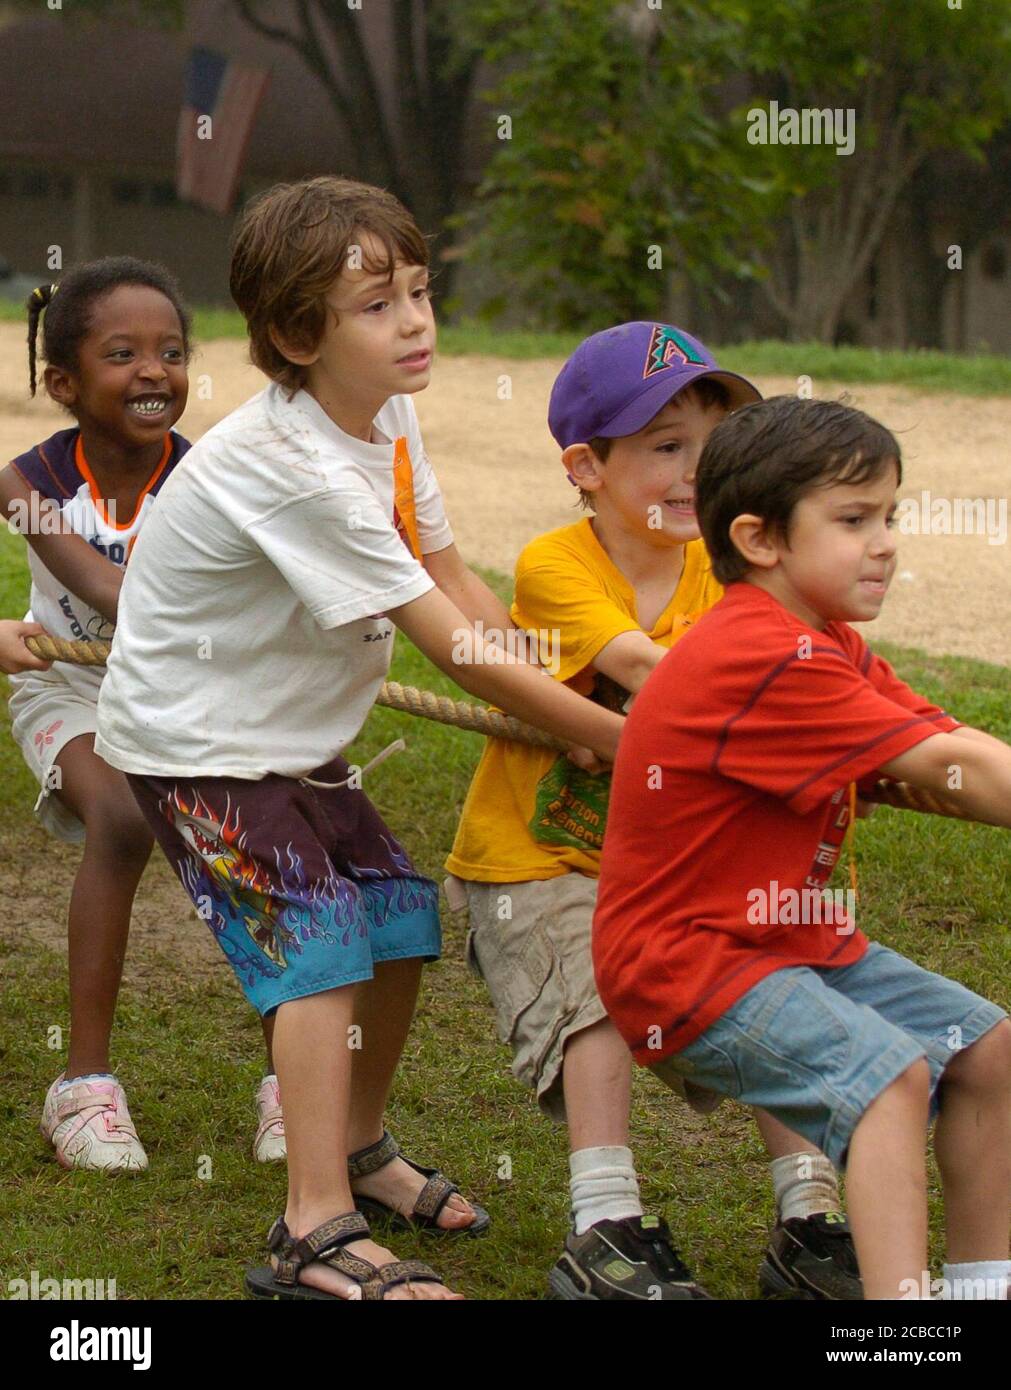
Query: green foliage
[981,374]
[625,136]
[938,75]
[612,152]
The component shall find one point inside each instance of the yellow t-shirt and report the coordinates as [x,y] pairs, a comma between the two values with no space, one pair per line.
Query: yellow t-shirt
[530,813]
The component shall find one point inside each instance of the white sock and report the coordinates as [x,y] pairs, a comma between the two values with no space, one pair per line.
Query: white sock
[977,1279]
[88,1076]
[603,1186]
[805,1185]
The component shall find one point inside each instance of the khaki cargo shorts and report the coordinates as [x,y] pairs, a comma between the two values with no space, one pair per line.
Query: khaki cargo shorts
[530,943]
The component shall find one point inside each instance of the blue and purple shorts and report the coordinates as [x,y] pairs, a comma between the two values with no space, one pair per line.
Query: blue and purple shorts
[304,887]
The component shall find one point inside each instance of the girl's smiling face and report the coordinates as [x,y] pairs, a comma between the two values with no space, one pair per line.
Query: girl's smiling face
[131,383]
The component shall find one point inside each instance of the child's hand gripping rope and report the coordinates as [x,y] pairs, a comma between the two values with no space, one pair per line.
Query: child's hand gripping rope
[462,715]
[15,656]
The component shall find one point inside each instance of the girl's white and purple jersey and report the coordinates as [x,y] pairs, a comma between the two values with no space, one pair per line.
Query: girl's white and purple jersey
[69,500]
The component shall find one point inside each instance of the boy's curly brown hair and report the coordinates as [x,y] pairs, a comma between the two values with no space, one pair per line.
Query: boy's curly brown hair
[288,248]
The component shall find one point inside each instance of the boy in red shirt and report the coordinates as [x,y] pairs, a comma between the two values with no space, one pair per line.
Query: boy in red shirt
[719,954]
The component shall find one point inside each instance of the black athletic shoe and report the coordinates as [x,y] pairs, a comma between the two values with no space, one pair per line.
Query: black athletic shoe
[811,1257]
[631,1259]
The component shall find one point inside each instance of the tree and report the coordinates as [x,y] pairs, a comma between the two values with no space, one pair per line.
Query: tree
[921,79]
[415,149]
[610,178]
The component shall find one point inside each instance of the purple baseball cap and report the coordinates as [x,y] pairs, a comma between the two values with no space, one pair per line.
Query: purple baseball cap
[616,381]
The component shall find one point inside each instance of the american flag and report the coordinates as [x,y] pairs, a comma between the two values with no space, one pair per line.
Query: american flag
[209,155]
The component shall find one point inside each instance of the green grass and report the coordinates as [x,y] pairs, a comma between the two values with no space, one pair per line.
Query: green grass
[977,374]
[190,1049]
[973,375]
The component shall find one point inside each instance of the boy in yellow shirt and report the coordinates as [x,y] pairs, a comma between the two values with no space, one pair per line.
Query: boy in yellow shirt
[604,599]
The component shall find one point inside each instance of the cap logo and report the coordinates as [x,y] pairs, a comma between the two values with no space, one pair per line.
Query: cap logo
[667,346]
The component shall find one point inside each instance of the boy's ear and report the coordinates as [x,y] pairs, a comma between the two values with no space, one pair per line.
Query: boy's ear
[60,386]
[752,538]
[292,350]
[583,467]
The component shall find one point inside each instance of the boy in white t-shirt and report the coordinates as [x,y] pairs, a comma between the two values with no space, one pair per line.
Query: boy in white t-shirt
[255,629]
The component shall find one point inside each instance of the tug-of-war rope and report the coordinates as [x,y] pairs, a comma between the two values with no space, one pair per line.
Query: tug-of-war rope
[440,708]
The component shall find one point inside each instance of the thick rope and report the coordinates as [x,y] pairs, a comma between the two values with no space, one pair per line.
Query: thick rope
[440,708]
[76,653]
[424,703]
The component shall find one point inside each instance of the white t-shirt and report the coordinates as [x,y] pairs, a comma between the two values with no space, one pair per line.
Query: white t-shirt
[251,636]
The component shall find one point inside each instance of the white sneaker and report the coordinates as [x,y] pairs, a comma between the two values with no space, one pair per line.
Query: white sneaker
[89,1126]
[269,1146]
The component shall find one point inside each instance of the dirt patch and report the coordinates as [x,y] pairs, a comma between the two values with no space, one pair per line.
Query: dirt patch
[38,878]
[484,425]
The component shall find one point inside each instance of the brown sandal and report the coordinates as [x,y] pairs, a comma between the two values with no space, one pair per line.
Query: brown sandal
[430,1201]
[326,1244]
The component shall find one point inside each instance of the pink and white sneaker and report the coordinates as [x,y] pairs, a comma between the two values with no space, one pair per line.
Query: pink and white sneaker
[89,1126]
[269,1146]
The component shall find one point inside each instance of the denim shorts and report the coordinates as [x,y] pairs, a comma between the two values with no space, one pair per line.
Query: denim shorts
[304,887]
[816,1046]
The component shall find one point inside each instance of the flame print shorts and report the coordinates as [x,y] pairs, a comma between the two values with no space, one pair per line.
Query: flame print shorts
[305,888]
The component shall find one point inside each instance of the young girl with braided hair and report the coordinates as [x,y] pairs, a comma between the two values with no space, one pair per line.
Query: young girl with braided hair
[115,339]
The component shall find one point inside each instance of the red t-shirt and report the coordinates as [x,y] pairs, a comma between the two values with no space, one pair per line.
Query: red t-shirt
[728,809]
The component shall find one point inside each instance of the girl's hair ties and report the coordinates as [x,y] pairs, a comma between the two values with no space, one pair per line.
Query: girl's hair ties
[37,302]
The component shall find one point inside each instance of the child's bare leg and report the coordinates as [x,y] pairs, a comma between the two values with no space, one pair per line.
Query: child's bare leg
[267,1023]
[597,1084]
[383,1009]
[117,847]
[314,1070]
[780,1141]
[886,1185]
[803,1179]
[972,1142]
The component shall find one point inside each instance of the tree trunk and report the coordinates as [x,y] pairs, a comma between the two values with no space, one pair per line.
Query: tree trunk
[833,235]
[835,230]
[417,153]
